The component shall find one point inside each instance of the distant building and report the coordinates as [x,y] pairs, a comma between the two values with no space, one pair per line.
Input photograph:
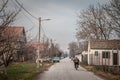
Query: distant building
[41,45]
[43,49]
[104,52]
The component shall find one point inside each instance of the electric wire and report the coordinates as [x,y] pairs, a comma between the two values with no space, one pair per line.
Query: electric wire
[26,10]
[31,16]
[27,18]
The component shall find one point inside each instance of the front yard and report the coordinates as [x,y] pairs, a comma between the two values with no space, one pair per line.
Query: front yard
[23,71]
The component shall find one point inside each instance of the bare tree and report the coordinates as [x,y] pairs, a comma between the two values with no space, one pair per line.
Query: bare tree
[113,10]
[29,52]
[7,16]
[12,45]
[54,50]
[83,46]
[73,49]
[94,23]
[7,47]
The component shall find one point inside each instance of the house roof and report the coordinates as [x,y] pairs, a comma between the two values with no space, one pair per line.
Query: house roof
[13,32]
[36,45]
[105,44]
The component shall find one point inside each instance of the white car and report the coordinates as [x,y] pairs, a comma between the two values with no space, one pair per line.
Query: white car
[56,59]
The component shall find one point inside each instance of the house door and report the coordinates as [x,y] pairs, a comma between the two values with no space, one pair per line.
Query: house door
[115,58]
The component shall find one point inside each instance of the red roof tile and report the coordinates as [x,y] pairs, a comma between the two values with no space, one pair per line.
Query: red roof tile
[12,31]
[36,45]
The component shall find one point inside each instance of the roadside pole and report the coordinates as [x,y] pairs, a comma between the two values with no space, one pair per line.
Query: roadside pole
[38,52]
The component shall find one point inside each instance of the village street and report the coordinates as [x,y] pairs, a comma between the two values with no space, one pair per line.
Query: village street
[65,71]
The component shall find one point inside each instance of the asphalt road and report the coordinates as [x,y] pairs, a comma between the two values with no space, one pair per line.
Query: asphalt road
[65,71]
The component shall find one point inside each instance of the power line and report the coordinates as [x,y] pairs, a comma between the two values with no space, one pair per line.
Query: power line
[26,10]
[43,31]
[50,37]
[26,17]
[30,15]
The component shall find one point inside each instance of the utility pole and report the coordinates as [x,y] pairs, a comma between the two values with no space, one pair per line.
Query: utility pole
[51,45]
[39,38]
[38,52]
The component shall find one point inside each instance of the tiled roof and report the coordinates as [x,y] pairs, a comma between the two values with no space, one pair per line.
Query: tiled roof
[12,31]
[105,44]
[35,45]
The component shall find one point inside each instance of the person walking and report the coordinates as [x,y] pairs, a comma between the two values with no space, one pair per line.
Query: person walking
[76,62]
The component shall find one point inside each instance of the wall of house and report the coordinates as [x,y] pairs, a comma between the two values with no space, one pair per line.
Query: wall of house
[85,57]
[99,60]
[79,57]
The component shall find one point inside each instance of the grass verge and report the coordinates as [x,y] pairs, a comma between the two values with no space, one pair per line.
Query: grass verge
[23,71]
[99,72]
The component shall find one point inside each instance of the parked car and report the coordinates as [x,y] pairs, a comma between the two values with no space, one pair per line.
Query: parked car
[56,59]
[46,59]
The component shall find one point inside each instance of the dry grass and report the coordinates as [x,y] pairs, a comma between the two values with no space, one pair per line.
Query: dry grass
[99,72]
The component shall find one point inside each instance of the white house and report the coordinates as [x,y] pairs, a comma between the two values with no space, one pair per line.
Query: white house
[104,52]
[85,56]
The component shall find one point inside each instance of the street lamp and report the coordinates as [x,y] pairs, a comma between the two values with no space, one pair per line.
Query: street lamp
[38,52]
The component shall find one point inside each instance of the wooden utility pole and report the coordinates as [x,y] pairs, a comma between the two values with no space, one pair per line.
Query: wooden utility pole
[39,38]
[38,52]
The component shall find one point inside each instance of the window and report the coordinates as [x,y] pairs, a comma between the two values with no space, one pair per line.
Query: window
[96,53]
[105,54]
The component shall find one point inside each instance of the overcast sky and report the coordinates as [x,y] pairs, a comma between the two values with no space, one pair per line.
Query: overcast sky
[63,15]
